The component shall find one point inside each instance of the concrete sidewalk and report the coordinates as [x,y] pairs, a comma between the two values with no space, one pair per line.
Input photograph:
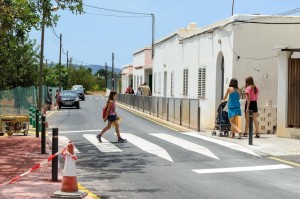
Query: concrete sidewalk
[267,144]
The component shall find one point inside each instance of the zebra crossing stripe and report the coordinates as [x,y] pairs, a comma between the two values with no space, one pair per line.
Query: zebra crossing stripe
[148,146]
[240,169]
[105,146]
[186,144]
[230,145]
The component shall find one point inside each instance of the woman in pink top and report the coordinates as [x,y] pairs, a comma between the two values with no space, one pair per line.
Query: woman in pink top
[111,117]
[251,104]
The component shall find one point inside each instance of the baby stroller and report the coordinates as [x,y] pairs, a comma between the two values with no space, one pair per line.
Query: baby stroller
[222,121]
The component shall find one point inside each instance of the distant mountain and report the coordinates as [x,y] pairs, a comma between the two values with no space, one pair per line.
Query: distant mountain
[95,68]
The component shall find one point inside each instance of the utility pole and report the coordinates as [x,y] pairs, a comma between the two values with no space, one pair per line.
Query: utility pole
[112,70]
[153,34]
[59,69]
[67,58]
[46,63]
[41,64]
[70,61]
[106,75]
[232,8]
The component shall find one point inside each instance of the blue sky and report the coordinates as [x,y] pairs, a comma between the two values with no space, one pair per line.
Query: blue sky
[91,39]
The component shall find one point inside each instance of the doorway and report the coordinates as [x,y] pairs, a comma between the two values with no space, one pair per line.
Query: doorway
[220,73]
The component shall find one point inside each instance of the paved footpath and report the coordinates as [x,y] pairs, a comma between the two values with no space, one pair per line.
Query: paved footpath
[17,155]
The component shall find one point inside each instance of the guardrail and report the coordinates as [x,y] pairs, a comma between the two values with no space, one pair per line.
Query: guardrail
[181,111]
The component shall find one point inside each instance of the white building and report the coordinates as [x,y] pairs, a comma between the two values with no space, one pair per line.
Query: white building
[142,67]
[201,63]
[127,77]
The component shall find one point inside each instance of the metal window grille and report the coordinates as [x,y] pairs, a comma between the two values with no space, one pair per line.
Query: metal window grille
[201,82]
[185,81]
[172,84]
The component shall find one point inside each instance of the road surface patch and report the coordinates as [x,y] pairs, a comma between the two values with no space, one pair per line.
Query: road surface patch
[241,169]
[148,146]
[186,145]
[63,142]
[230,145]
[105,146]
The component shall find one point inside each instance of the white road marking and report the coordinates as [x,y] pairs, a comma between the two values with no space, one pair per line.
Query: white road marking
[63,142]
[148,146]
[97,98]
[105,146]
[239,169]
[230,145]
[80,131]
[186,145]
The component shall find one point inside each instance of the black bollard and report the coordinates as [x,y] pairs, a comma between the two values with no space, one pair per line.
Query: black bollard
[250,127]
[37,121]
[55,150]
[198,119]
[43,135]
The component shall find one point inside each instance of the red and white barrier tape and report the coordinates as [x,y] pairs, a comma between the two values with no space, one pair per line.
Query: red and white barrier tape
[34,168]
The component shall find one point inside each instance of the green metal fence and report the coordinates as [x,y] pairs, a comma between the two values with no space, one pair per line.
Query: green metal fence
[20,99]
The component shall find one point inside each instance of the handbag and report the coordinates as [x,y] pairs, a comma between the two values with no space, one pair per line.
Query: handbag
[48,101]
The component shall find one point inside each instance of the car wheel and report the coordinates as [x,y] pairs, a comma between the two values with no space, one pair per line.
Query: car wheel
[77,106]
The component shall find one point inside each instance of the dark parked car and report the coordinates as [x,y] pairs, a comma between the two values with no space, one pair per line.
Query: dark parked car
[69,98]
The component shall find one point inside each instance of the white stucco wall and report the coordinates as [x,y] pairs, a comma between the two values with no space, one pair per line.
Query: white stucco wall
[252,43]
[167,59]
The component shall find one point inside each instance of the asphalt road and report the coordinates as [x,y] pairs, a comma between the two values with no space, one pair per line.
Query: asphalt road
[158,162]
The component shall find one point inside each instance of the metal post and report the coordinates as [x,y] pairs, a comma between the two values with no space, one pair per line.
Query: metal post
[232,8]
[37,121]
[198,119]
[106,75]
[112,70]
[153,34]
[67,58]
[157,107]
[54,150]
[180,109]
[59,75]
[43,135]
[143,104]
[189,113]
[41,64]
[167,109]
[250,127]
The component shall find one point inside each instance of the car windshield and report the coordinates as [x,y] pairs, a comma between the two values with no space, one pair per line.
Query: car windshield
[69,94]
[77,88]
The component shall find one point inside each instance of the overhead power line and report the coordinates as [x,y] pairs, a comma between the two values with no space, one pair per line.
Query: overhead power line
[113,10]
[121,16]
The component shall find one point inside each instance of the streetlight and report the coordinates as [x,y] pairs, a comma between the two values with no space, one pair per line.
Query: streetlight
[41,59]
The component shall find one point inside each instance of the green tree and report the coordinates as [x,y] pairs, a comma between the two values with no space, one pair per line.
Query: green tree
[19,55]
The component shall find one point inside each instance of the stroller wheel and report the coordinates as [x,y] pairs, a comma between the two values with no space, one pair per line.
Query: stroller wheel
[213,133]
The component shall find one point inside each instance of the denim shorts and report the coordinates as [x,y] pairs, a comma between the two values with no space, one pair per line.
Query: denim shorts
[112,118]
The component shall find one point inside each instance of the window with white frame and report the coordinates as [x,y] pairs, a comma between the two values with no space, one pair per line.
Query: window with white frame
[159,82]
[172,84]
[185,81]
[201,82]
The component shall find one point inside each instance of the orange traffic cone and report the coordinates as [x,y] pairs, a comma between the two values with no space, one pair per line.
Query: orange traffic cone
[69,181]
[69,185]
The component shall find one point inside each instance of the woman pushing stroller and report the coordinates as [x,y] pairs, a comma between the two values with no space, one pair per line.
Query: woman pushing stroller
[233,94]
